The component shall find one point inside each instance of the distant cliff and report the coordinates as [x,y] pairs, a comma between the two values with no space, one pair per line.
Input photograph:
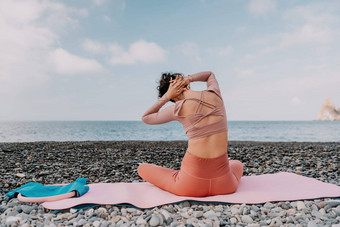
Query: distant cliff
[328,112]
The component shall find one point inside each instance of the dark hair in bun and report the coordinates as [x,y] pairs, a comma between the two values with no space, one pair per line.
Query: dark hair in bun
[165,82]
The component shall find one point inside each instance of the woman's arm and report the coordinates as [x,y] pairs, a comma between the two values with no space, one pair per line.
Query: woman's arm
[208,77]
[152,116]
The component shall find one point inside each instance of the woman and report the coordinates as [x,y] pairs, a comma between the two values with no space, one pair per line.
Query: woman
[205,168]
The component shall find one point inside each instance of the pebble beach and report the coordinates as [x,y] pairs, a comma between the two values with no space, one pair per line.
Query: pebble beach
[117,161]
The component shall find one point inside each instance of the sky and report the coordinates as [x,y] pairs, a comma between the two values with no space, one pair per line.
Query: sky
[101,59]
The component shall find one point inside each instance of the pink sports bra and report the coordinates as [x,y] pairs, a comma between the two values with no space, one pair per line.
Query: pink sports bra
[171,113]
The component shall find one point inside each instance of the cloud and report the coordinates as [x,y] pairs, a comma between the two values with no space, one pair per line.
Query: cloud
[99,2]
[191,50]
[306,36]
[262,7]
[313,24]
[225,51]
[93,46]
[106,18]
[140,51]
[30,31]
[118,4]
[296,101]
[66,63]
[242,72]
[241,29]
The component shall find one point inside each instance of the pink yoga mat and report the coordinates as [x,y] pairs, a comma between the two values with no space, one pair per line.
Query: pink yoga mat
[252,190]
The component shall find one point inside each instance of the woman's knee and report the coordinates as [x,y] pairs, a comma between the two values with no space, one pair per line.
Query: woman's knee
[143,169]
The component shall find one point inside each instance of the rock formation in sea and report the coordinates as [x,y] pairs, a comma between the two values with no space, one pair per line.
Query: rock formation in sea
[328,112]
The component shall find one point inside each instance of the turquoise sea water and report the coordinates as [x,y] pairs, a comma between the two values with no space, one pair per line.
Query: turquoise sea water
[308,131]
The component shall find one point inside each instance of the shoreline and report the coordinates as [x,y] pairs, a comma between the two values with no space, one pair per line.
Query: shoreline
[50,162]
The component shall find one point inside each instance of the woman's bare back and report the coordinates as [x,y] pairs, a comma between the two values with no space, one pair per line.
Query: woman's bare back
[211,146]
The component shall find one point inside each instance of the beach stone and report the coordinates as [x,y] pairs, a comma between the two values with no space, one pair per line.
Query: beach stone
[247,219]
[276,222]
[314,207]
[105,224]
[317,214]
[12,203]
[101,210]
[89,213]
[165,214]
[312,224]
[218,208]
[131,210]
[174,224]
[234,210]
[168,221]
[333,203]
[197,214]
[185,215]
[255,208]
[268,205]
[23,216]
[20,175]
[300,205]
[72,211]
[191,221]
[209,214]
[322,211]
[161,219]
[291,211]
[140,221]
[233,220]
[321,204]
[12,220]
[119,223]
[154,221]
[27,209]
[96,224]
[186,204]
[13,213]
[81,222]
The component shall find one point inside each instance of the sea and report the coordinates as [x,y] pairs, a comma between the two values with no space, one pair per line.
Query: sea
[275,131]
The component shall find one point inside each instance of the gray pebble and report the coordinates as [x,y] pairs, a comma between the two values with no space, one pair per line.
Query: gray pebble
[81,222]
[154,221]
[23,216]
[268,205]
[233,220]
[12,220]
[12,203]
[255,208]
[13,213]
[333,203]
[96,224]
[247,219]
[140,221]
[234,210]
[168,221]
[209,214]
[300,205]
[312,224]
[2,208]
[147,218]
[27,209]
[186,204]
[197,214]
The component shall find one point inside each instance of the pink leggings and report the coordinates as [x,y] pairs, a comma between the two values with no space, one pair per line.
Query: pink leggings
[197,177]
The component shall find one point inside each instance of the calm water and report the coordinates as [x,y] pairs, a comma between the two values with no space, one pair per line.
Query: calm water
[316,131]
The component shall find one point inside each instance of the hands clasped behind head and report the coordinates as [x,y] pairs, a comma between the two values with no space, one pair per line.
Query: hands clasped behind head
[178,83]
